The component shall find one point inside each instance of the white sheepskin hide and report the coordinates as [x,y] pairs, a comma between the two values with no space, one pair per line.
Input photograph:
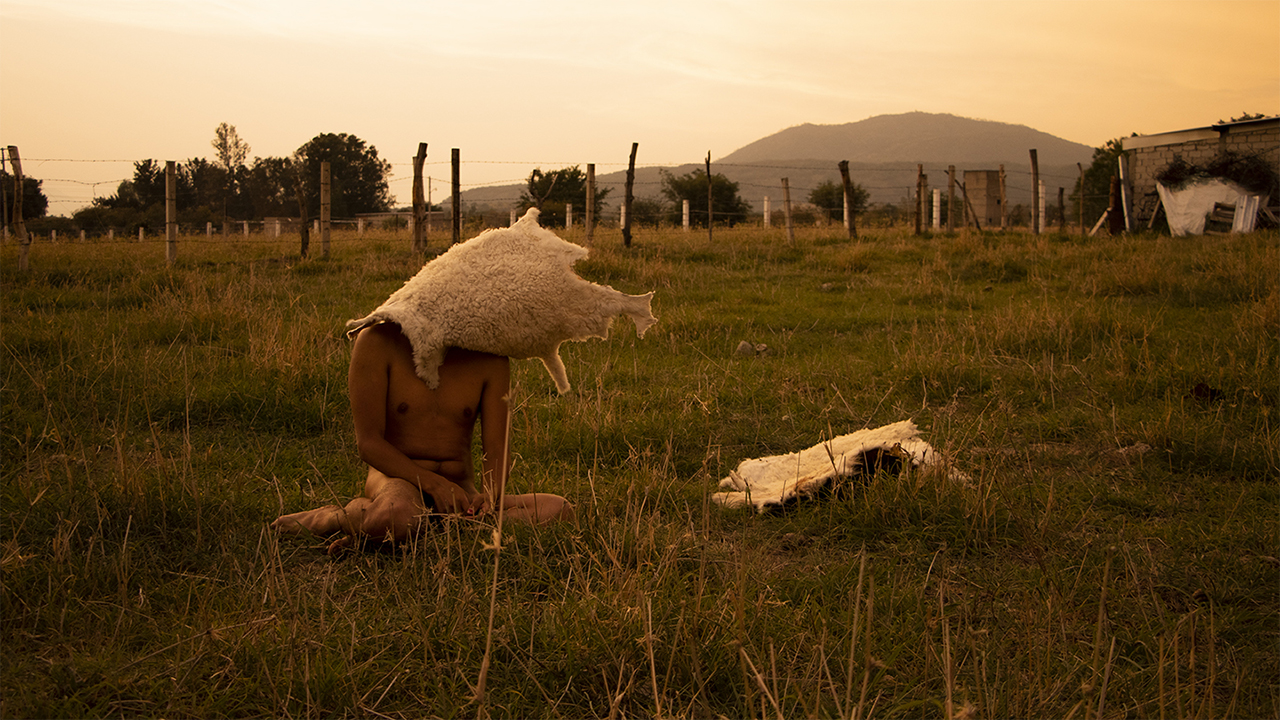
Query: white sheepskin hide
[511,292]
[769,482]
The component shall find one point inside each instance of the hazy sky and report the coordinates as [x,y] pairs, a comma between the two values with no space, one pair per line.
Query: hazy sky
[561,82]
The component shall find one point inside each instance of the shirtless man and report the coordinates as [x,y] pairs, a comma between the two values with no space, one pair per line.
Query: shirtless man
[417,444]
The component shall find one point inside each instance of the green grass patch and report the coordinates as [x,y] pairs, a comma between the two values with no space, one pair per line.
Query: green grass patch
[1115,554]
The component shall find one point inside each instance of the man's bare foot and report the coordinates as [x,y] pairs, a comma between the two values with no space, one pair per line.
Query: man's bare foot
[340,546]
[321,521]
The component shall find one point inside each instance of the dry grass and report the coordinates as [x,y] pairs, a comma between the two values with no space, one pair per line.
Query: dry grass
[1114,556]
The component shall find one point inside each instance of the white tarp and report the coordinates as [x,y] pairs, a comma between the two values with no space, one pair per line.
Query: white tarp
[1187,207]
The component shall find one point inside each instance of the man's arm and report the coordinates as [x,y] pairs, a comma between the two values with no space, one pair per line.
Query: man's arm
[367,384]
[495,431]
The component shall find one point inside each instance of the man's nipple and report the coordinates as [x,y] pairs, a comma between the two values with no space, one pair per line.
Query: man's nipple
[402,408]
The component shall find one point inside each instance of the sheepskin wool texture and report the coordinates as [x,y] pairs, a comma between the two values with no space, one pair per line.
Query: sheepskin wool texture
[510,291]
[769,482]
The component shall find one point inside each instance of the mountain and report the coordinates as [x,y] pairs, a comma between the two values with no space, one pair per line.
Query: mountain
[914,137]
[883,154]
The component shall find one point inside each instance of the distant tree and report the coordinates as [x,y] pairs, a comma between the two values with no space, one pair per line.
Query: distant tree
[140,202]
[357,176]
[34,202]
[829,196]
[648,211]
[269,185]
[726,203]
[231,153]
[201,184]
[550,192]
[1096,186]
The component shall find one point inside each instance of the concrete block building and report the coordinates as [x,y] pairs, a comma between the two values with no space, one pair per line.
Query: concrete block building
[1147,155]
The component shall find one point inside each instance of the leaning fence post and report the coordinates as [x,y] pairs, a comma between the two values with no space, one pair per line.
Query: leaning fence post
[19,227]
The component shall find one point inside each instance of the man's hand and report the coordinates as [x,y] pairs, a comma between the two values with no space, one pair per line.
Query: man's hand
[450,498]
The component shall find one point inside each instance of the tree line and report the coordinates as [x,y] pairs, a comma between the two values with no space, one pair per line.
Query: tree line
[230,187]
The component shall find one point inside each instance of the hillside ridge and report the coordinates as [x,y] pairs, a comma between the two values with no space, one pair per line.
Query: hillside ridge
[883,153]
[911,137]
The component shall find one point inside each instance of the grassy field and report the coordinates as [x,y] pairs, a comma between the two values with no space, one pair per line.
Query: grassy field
[1114,400]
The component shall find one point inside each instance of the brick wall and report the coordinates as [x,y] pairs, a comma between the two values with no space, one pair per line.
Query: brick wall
[1149,154]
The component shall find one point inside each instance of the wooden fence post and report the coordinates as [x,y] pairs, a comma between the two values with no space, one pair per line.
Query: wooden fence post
[951,198]
[1081,198]
[628,196]
[1125,208]
[684,214]
[4,198]
[710,210]
[419,207]
[850,223]
[171,211]
[591,201]
[326,205]
[456,162]
[937,209]
[568,216]
[768,212]
[304,225]
[19,227]
[920,184]
[1035,193]
[786,211]
[1062,210]
[1115,213]
[1004,202]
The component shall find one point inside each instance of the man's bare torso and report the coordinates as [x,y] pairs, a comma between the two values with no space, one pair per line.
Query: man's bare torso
[432,427]
[417,444]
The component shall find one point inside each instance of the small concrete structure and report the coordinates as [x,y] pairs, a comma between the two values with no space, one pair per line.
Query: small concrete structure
[983,189]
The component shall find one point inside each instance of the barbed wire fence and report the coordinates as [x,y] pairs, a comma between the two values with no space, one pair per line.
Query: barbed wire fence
[486,208]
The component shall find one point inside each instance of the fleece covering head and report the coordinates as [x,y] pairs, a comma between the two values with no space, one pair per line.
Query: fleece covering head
[510,291]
